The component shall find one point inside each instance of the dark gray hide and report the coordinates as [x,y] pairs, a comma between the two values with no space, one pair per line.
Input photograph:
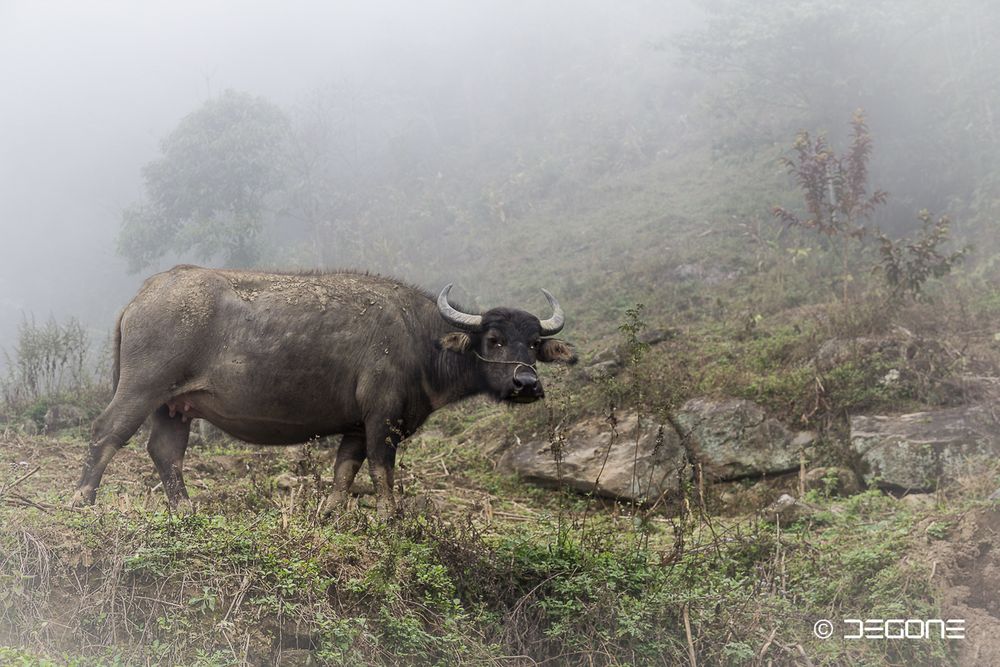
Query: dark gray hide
[282,358]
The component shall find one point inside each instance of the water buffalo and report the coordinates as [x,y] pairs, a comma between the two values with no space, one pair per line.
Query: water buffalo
[279,358]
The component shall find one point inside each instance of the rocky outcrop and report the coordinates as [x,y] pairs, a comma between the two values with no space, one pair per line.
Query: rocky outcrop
[920,450]
[734,438]
[731,439]
[637,461]
[605,364]
[897,348]
[610,361]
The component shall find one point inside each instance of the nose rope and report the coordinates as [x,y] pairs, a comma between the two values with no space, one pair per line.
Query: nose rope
[516,364]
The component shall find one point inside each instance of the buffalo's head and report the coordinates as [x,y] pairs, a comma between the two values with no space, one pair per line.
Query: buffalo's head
[507,344]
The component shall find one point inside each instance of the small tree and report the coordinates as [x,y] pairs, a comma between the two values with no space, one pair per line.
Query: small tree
[908,263]
[208,191]
[835,189]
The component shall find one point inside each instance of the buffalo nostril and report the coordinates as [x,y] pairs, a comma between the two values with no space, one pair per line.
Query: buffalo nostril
[525,381]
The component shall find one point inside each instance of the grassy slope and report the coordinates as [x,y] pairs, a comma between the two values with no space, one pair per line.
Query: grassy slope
[496,569]
[481,570]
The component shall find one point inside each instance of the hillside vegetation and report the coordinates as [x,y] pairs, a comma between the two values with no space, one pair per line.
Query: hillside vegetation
[660,239]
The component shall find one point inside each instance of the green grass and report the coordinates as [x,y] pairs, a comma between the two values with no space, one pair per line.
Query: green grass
[573,585]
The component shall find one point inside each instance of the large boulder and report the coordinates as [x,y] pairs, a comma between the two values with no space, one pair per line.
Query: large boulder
[640,463]
[733,438]
[918,451]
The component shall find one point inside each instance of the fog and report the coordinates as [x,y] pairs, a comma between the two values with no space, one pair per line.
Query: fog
[90,89]
[450,93]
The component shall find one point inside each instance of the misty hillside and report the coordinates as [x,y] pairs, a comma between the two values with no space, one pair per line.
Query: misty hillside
[656,124]
[772,229]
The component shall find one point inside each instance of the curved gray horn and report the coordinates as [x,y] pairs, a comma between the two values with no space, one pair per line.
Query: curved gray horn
[456,317]
[554,324]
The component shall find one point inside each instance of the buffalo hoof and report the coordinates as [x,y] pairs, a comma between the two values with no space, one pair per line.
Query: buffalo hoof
[388,510]
[84,497]
[335,505]
[183,507]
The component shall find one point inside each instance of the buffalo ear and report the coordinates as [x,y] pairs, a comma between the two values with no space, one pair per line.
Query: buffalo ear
[553,349]
[456,341]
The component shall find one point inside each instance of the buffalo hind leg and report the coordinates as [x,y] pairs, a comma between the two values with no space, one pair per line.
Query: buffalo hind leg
[350,456]
[168,440]
[382,441]
[119,422]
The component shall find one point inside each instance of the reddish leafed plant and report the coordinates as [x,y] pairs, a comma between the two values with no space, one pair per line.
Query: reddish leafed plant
[835,187]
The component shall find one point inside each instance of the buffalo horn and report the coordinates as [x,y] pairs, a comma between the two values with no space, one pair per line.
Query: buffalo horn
[554,324]
[455,317]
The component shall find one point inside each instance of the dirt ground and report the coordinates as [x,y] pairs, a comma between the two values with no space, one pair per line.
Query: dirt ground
[965,568]
[53,467]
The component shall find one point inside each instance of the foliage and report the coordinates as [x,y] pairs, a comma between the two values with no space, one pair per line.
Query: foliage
[786,60]
[835,188]
[208,192]
[49,361]
[921,71]
[907,264]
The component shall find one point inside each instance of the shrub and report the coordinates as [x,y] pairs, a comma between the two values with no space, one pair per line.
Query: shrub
[907,264]
[50,363]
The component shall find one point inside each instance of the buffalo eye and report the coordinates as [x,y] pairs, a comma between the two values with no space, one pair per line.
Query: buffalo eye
[493,341]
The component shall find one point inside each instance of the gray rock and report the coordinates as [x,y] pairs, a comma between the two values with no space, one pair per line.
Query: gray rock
[610,361]
[62,416]
[920,450]
[908,354]
[733,438]
[625,467]
[657,336]
[605,363]
[837,351]
[603,369]
[786,509]
[286,481]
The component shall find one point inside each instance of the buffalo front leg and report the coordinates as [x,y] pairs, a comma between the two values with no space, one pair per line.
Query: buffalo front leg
[119,421]
[381,443]
[350,456]
[168,440]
